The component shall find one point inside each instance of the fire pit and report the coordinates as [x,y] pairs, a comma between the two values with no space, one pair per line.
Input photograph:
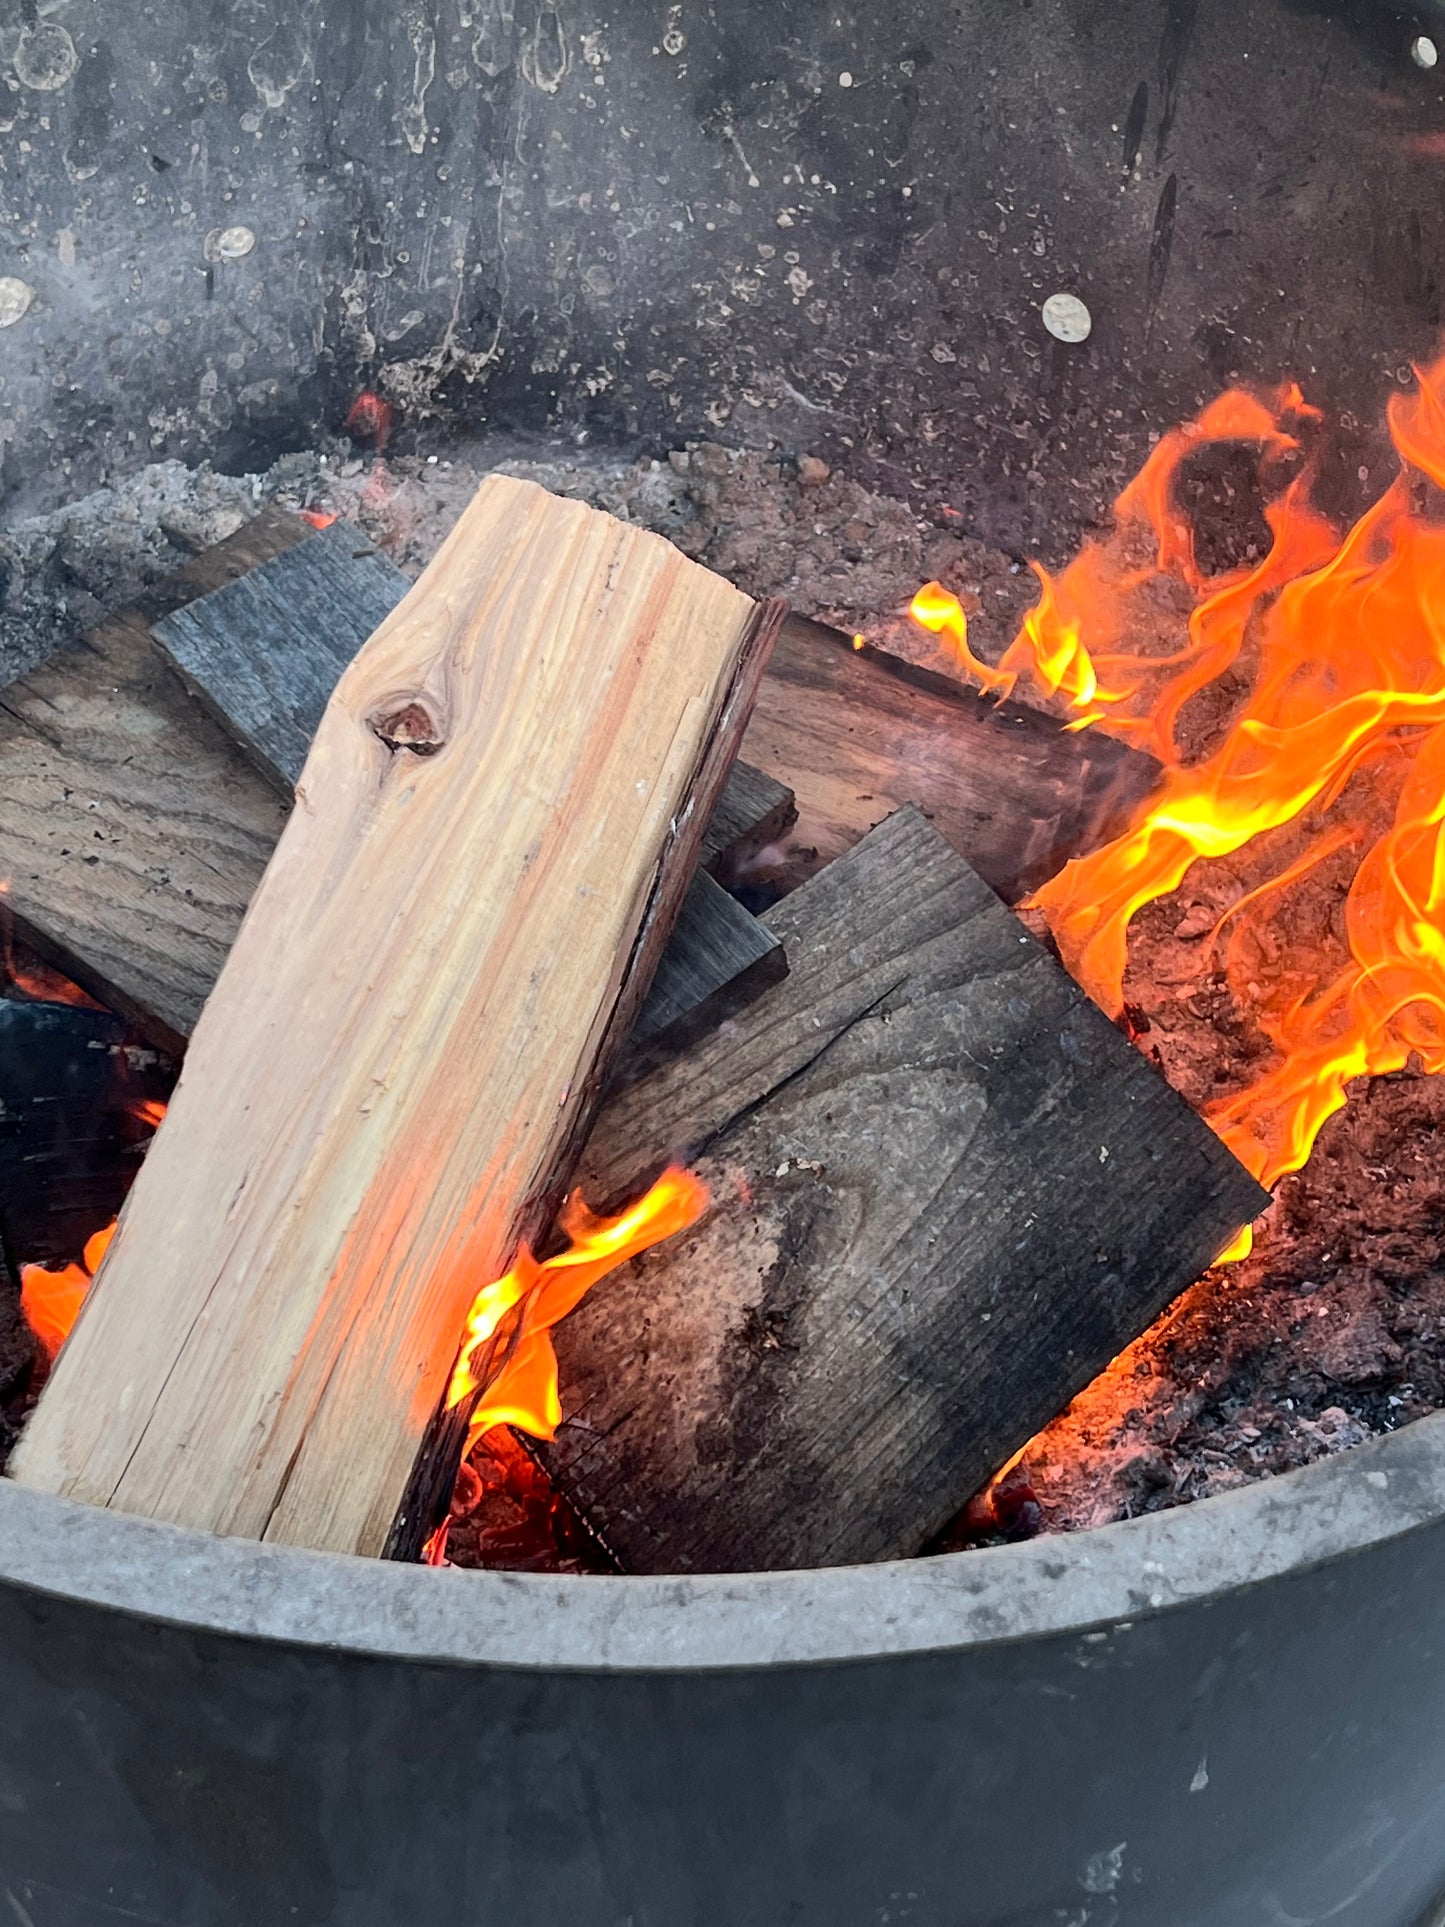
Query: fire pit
[371,266]
[1219,1714]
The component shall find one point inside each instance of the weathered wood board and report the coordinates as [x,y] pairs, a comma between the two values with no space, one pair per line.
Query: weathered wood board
[385,1092]
[263,654]
[857,732]
[946,1192]
[133,830]
[717,960]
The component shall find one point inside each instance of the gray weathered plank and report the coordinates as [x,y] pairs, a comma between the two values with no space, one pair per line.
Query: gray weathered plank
[718,959]
[264,653]
[857,733]
[946,1192]
[132,832]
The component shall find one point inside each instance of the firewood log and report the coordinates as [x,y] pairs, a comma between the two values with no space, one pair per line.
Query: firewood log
[946,1191]
[494,829]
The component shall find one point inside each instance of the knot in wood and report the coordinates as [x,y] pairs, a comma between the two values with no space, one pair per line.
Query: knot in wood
[411,726]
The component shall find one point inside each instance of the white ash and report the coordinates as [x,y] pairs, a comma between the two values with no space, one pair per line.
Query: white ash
[776,526]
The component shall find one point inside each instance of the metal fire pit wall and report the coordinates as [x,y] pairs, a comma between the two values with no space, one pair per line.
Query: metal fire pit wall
[1230,1715]
[797,224]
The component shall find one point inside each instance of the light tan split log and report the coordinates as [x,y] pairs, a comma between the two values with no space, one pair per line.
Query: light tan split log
[496,823]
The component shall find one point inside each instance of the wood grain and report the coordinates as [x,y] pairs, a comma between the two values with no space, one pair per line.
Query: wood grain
[717,960]
[493,832]
[263,654]
[946,1192]
[131,832]
[133,835]
[856,733]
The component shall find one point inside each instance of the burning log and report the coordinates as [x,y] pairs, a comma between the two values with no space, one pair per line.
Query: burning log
[499,816]
[857,733]
[135,835]
[946,1192]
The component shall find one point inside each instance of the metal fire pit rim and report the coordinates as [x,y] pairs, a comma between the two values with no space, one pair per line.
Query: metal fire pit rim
[718,1622]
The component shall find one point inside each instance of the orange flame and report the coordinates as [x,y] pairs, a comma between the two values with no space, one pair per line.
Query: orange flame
[33,978]
[1327,659]
[51,1300]
[506,1360]
[934,608]
[51,1297]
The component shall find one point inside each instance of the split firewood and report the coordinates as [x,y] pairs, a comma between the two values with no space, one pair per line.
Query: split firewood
[264,653]
[134,833]
[856,733]
[495,828]
[946,1191]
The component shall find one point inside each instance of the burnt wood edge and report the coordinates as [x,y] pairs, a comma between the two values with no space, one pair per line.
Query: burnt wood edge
[84,975]
[725,1002]
[428,1494]
[959,695]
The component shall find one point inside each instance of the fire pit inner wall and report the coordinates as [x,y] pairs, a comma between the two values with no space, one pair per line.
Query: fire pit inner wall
[811,226]
[800,228]
[1230,1713]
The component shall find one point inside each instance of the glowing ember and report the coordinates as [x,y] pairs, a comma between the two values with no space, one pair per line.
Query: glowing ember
[370,419]
[1321,673]
[318,518]
[21,971]
[41,984]
[507,1362]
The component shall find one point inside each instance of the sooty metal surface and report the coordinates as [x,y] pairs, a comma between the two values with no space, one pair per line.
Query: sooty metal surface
[819,224]
[1230,1715]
